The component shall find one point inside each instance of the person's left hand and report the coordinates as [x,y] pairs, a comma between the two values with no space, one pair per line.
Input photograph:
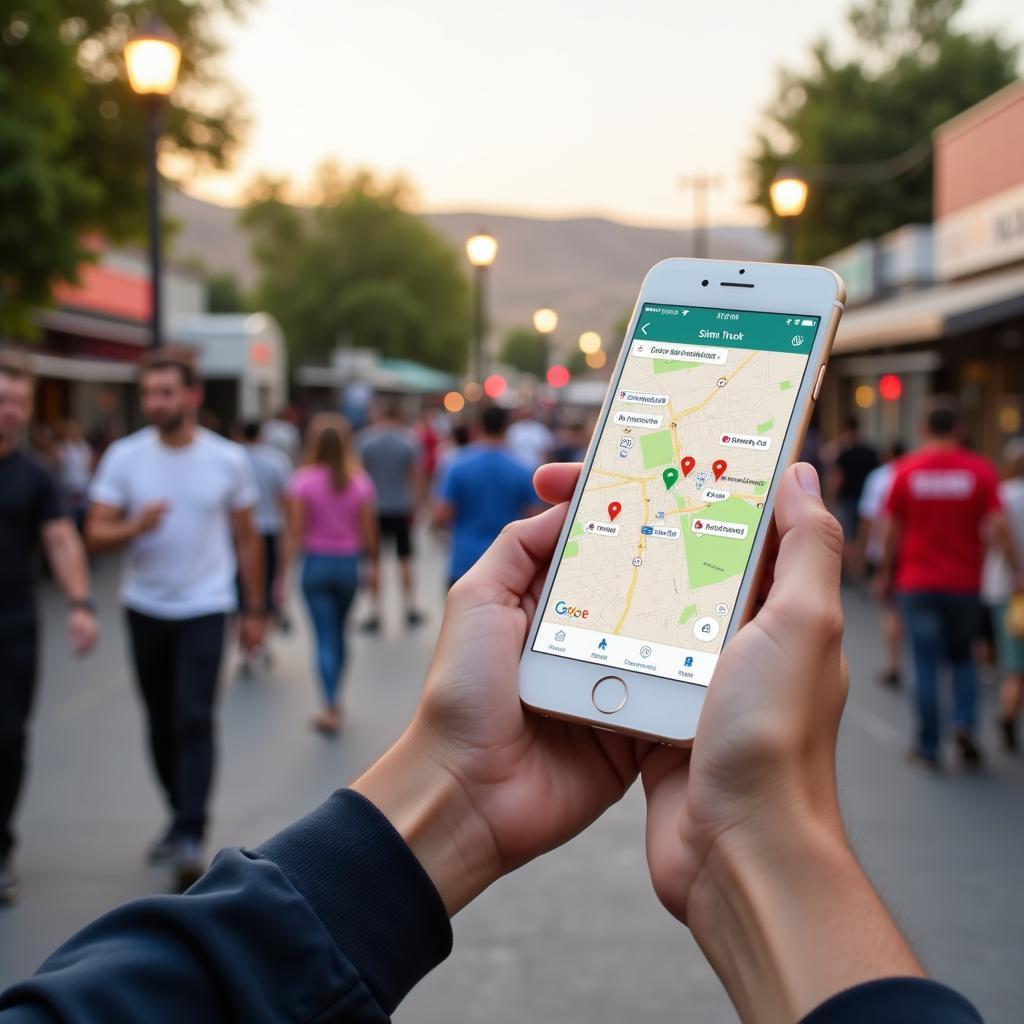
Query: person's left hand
[83,630]
[478,785]
[253,630]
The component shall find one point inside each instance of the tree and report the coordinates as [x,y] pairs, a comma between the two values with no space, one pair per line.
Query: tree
[912,70]
[224,294]
[358,266]
[72,137]
[525,350]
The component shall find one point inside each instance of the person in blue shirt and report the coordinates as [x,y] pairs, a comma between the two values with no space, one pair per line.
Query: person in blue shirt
[484,490]
[337,917]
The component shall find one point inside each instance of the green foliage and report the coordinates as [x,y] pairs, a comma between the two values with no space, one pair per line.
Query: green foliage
[72,133]
[224,294]
[913,70]
[576,364]
[525,350]
[358,268]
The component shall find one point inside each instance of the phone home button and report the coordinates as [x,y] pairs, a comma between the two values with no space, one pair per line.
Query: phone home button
[609,695]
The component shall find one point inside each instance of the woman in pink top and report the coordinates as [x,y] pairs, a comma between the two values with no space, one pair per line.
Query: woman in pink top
[333,523]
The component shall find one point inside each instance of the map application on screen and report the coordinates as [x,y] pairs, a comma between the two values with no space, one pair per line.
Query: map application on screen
[649,575]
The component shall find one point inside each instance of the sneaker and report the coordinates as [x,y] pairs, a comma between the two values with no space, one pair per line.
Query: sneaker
[189,864]
[970,753]
[8,885]
[930,762]
[414,618]
[163,850]
[371,625]
[1008,730]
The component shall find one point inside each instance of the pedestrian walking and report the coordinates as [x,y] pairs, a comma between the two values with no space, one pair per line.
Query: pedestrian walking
[332,524]
[485,490]
[31,515]
[271,469]
[393,458]
[74,468]
[871,539]
[282,433]
[1003,592]
[180,500]
[852,463]
[943,504]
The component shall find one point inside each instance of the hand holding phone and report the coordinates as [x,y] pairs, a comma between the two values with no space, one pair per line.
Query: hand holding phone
[659,562]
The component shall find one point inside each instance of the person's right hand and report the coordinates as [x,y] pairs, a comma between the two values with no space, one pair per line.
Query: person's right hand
[745,841]
[151,516]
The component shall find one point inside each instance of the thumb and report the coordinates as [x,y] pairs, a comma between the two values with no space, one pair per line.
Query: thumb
[809,561]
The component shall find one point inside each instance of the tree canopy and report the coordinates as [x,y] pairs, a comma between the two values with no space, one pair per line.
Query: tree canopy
[911,70]
[72,135]
[525,350]
[356,267]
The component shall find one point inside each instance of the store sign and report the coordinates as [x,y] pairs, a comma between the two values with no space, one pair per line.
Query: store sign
[979,237]
[857,266]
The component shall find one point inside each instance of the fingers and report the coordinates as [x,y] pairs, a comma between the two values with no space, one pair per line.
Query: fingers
[521,551]
[809,561]
[556,481]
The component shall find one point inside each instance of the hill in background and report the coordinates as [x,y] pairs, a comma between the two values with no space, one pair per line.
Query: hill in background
[587,268]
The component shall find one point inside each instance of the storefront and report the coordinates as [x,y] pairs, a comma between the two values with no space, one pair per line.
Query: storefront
[941,308]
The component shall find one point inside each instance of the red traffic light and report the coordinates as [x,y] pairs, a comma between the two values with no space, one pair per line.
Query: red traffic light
[890,387]
[558,376]
[495,386]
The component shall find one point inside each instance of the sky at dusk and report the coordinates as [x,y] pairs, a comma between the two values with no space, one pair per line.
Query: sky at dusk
[550,108]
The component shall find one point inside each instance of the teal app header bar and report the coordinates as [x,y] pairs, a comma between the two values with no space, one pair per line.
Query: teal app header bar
[728,328]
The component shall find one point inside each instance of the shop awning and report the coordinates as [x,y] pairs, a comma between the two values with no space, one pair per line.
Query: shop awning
[101,371]
[398,375]
[941,311]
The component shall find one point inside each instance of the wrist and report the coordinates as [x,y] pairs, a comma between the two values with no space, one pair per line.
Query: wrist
[82,604]
[430,809]
[769,901]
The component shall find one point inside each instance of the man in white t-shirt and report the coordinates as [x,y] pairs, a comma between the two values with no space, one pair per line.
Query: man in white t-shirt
[179,499]
[529,441]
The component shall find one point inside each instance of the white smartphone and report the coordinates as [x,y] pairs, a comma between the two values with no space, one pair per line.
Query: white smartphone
[658,562]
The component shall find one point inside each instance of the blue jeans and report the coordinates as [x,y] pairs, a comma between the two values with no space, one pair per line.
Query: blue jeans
[941,627]
[329,584]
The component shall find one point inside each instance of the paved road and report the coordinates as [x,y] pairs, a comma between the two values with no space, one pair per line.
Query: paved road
[576,937]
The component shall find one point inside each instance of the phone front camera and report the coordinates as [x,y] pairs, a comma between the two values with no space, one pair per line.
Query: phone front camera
[704,283]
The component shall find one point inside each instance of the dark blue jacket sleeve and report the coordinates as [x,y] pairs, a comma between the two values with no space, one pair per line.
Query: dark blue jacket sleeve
[896,1001]
[333,919]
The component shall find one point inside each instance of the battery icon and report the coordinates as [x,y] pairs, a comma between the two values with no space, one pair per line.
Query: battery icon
[806,323]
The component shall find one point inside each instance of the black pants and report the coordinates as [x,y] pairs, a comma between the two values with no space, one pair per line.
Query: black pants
[18,651]
[177,662]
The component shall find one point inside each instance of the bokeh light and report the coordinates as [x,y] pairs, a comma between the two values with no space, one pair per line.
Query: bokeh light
[495,386]
[590,342]
[890,387]
[558,376]
[864,396]
[454,402]
[595,360]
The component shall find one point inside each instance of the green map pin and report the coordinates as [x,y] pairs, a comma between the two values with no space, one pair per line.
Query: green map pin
[670,476]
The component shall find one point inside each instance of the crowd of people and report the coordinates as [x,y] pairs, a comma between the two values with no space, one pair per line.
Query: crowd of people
[211,529]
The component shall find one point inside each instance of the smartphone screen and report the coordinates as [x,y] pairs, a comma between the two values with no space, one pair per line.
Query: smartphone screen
[649,575]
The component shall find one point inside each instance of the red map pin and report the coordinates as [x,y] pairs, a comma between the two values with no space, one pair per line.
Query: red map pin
[718,467]
[687,464]
[613,510]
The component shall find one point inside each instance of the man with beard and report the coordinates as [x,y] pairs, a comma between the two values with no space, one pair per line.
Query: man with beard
[180,499]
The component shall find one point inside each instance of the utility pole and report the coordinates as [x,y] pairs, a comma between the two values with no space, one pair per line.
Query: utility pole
[700,184]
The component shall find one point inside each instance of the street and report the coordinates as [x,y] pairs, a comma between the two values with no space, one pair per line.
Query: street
[575,937]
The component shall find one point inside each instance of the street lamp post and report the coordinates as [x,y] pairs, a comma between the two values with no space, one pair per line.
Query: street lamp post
[153,57]
[788,193]
[544,323]
[481,249]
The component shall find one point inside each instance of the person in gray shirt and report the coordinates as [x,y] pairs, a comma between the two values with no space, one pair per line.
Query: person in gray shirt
[392,455]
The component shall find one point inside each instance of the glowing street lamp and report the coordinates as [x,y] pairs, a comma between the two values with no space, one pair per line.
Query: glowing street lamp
[153,57]
[481,249]
[788,193]
[545,321]
[590,342]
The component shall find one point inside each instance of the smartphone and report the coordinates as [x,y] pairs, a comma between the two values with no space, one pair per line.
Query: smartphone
[657,565]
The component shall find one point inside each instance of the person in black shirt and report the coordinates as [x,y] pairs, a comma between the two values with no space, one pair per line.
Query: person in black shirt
[852,463]
[30,512]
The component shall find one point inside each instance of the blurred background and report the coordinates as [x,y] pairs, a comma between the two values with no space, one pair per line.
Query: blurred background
[445,206]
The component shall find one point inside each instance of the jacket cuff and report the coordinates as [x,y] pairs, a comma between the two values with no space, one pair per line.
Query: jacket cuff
[371,893]
[896,1001]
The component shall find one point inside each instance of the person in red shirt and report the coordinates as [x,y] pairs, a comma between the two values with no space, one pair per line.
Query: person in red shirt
[944,510]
